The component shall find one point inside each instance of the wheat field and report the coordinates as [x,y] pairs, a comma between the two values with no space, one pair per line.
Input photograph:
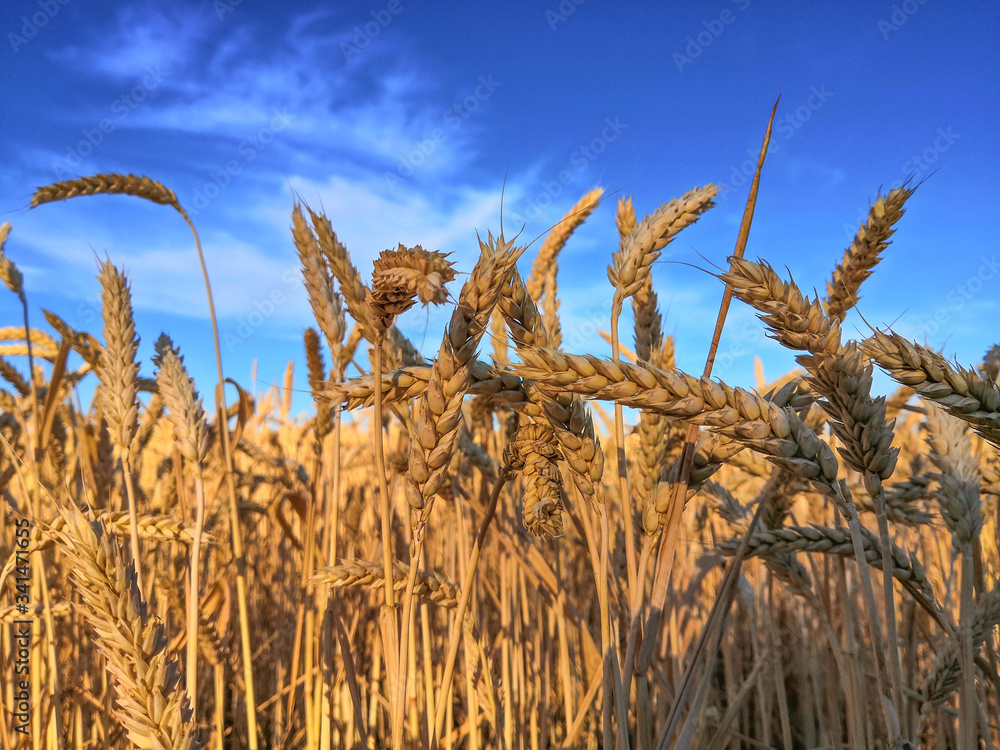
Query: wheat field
[473,550]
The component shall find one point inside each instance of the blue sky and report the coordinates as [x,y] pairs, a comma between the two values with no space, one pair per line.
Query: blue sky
[402,119]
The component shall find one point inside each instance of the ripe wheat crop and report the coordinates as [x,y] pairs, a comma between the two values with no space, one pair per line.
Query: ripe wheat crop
[466,552]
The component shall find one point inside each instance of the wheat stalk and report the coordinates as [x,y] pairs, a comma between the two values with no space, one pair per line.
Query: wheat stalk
[185,412]
[117,374]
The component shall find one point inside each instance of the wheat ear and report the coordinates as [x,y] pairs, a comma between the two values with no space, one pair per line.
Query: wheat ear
[533,452]
[10,275]
[631,263]
[325,302]
[964,393]
[401,277]
[354,572]
[567,414]
[117,375]
[186,414]
[152,704]
[864,252]
[906,568]
[439,408]
[556,239]
[351,285]
[943,676]
[107,184]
